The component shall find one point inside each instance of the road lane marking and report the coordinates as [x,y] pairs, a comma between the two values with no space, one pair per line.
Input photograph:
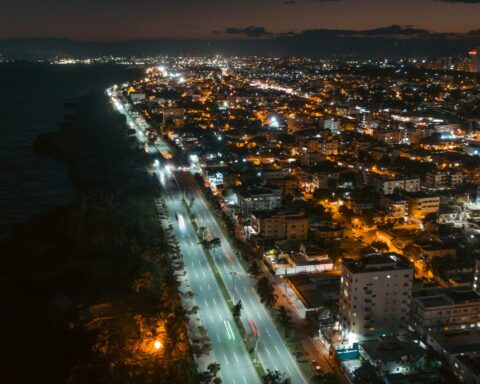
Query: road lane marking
[269,354]
[215,301]
[201,289]
[236,358]
[277,350]
[209,287]
[226,360]
[211,319]
[268,332]
[196,274]
[244,380]
[288,370]
[218,337]
[206,303]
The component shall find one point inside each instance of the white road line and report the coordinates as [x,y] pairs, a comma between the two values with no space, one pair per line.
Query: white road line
[236,358]
[226,360]
[269,354]
[218,337]
[268,332]
[211,319]
[277,350]
[209,287]
[215,301]
[204,274]
[244,380]
[206,303]
[220,317]
[201,289]
[288,370]
[196,274]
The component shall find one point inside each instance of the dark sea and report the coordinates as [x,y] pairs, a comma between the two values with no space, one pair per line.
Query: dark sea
[32,97]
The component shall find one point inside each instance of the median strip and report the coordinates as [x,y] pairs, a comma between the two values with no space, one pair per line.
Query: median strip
[223,288]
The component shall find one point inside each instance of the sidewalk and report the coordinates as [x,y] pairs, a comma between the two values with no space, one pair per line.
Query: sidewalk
[196,331]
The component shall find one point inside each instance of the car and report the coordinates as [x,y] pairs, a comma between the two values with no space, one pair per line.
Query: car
[315,366]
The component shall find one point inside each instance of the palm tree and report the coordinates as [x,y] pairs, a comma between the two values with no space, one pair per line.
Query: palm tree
[266,292]
[275,377]
[145,281]
[254,270]
[285,320]
[213,368]
[237,310]
[366,374]
[326,378]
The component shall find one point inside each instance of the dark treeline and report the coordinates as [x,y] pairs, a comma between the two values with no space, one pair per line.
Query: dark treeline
[88,293]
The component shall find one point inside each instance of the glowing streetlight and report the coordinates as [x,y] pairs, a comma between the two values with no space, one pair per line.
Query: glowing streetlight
[157,345]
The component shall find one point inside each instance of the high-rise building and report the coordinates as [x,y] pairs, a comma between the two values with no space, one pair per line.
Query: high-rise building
[375,295]
[474,56]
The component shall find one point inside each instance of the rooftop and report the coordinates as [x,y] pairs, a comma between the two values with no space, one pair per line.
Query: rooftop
[391,349]
[437,297]
[458,342]
[377,262]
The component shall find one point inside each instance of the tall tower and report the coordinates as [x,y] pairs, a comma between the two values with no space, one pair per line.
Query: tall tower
[474,56]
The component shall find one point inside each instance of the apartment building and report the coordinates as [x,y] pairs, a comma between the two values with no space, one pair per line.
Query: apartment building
[259,199]
[421,204]
[443,180]
[439,309]
[389,186]
[279,225]
[375,294]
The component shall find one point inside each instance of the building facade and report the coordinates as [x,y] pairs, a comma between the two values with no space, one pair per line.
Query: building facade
[375,294]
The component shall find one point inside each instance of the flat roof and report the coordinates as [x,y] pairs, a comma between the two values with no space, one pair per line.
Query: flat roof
[391,348]
[377,262]
[437,297]
[458,341]
[314,290]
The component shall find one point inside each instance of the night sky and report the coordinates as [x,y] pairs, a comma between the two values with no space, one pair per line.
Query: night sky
[113,20]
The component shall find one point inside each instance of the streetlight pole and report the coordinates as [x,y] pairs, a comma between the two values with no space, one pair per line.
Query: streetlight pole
[233,273]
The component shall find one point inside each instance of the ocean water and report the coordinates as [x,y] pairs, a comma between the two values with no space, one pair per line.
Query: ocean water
[32,96]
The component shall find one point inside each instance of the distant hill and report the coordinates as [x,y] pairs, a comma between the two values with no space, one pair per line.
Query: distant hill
[392,42]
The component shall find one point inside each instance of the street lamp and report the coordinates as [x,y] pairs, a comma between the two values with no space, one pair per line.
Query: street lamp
[233,273]
[157,345]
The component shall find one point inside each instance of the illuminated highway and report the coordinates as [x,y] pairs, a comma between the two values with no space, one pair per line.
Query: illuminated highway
[271,348]
[227,346]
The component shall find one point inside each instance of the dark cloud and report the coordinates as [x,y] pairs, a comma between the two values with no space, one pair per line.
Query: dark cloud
[461,1]
[391,31]
[251,31]
[290,2]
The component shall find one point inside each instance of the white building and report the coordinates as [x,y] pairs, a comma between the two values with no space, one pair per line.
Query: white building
[375,294]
